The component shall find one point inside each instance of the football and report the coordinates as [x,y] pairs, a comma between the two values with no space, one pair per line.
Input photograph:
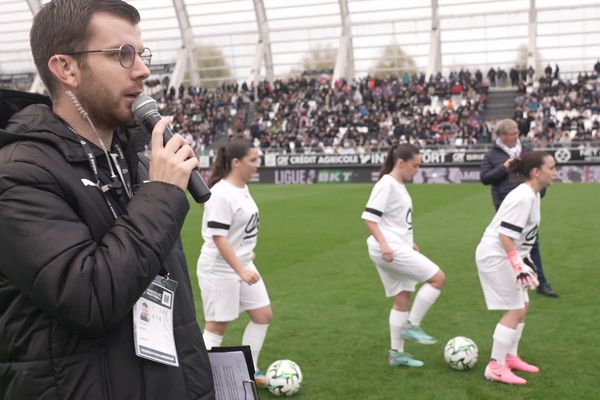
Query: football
[284,378]
[460,353]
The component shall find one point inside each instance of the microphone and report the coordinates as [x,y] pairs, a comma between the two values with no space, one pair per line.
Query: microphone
[145,111]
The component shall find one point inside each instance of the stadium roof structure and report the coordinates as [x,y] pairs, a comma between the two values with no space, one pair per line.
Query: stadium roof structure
[203,41]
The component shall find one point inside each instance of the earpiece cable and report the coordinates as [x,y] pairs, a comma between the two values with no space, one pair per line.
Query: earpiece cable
[84,114]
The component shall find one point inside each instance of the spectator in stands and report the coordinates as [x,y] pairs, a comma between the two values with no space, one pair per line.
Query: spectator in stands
[597,68]
[501,77]
[494,172]
[492,77]
[530,73]
[514,76]
[523,73]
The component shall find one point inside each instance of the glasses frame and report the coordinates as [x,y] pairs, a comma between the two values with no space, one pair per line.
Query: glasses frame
[146,58]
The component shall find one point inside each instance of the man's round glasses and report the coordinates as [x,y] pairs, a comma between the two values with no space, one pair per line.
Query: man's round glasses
[126,54]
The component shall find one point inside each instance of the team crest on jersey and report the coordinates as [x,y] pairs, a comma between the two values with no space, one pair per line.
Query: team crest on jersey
[530,236]
[251,229]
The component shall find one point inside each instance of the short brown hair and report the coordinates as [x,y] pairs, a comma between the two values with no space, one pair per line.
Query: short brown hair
[62,26]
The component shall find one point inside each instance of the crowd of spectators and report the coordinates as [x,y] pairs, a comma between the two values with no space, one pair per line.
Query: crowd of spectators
[308,114]
[552,111]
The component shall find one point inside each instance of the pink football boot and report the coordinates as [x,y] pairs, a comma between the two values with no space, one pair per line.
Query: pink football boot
[495,371]
[515,362]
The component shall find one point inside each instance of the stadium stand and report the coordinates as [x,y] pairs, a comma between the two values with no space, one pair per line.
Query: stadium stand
[554,111]
[310,115]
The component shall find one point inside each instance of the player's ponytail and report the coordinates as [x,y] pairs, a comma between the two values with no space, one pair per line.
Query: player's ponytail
[404,151]
[235,149]
[524,165]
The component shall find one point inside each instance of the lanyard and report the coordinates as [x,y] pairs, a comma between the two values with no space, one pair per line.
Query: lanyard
[122,169]
[119,163]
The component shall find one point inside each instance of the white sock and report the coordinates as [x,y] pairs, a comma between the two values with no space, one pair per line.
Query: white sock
[254,336]
[397,320]
[424,299]
[211,339]
[514,346]
[503,338]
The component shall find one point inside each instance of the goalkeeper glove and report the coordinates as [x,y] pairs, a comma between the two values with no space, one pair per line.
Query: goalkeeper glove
[525,275]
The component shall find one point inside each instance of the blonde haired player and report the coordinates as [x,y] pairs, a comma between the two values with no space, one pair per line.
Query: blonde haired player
[388,216]
[229,281]
[504,270]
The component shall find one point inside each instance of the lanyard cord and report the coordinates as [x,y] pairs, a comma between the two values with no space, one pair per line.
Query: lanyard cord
[94,167]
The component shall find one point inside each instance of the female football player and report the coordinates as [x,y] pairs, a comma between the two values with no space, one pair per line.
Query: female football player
[229,281]
[388,216]
[505,271]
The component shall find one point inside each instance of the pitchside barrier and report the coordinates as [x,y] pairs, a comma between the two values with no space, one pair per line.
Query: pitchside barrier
[574,164]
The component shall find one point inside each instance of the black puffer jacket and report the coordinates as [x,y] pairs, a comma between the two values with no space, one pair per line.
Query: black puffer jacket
[70,274]
[494,173]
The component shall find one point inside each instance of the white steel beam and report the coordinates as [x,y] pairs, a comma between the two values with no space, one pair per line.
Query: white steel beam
[263,52]
[434,64]
[344,64]
[532,44]
[186,59]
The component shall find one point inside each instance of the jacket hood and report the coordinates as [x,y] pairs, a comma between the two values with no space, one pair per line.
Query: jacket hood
[12,101]
[38,123]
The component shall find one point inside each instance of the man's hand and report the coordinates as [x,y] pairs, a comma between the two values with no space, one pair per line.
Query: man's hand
[172,162]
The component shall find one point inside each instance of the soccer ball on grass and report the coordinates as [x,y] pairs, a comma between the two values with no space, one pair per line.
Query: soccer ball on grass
[460,353]
[284,378]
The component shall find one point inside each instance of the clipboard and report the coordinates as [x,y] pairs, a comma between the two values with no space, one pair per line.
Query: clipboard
[233,373]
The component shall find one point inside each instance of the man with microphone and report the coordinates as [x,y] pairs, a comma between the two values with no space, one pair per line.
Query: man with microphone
[90,238]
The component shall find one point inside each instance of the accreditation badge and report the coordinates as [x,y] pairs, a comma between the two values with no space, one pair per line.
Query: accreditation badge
[153,322]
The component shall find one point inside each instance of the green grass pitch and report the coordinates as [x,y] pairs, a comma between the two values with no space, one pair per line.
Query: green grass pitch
[330,312]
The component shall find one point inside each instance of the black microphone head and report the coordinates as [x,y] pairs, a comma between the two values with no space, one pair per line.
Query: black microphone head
[143,106]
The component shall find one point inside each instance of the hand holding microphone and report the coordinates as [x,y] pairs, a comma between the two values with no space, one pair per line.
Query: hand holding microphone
[173,161]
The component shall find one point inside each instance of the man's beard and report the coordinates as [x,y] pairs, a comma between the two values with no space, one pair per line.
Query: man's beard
[101,105]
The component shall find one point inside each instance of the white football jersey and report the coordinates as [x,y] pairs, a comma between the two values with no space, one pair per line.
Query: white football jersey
[230,212]
[518,218]
[390,206]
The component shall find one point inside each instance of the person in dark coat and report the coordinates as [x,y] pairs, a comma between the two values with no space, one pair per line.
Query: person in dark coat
[86,229]
[494,172]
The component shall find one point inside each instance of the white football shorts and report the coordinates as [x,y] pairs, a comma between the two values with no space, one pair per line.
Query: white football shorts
[498,281]
[223,298]
[408,268]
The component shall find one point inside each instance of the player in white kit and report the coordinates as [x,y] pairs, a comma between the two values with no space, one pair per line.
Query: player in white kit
[503,264]
[229,281]
[388,216]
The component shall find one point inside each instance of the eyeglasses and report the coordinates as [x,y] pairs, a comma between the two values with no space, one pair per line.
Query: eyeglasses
[126,54]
